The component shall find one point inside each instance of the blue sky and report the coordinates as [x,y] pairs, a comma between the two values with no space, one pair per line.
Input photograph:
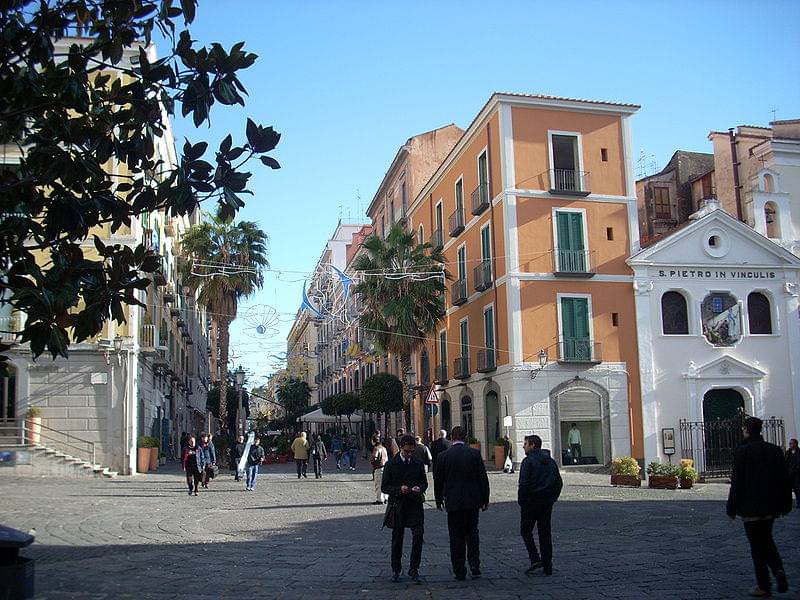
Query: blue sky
[346,83]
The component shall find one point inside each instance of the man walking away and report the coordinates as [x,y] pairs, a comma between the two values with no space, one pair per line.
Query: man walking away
[460,485]
[438,446]
[574,439]
[236,455]
[422,454]
[378,459]
[539,487]
[404,481]
[760,492]
[793,466]
[254,459]
[300,450]
[318,454]
[353,446]
[338,447]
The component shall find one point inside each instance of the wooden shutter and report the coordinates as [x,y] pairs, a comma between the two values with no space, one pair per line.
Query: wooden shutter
[579,405]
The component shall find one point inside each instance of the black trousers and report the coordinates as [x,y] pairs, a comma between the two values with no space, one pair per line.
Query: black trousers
[796,487]
[538,516]
[398,534]
[462,525]
[763,550]
[193,478]
[317,465]
[302,466]
[576,451]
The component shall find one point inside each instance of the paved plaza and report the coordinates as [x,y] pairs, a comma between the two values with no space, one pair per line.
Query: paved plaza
[144,537]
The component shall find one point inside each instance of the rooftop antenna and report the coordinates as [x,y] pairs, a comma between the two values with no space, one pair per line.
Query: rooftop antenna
[773,111]
[645,165]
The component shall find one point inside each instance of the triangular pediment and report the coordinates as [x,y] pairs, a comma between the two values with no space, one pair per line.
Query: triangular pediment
[726,366]
[737,244]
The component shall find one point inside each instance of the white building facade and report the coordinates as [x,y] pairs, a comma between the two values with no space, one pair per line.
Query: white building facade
[718,332]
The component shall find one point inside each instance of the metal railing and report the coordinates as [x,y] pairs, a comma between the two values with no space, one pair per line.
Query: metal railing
[27,433]
[579,350]
[572,262]
[569,181]
[712,444]
[486,360]
[437,239]
[148,339]
[483,275]
[441,375]
[480,198]
[458,292]
[456,222]
[461,367]
[10,326]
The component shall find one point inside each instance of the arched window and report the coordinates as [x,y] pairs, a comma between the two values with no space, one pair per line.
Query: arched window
[769,183]
[424,368]
[772,219]
[421,238]
[759,313]
[674,315]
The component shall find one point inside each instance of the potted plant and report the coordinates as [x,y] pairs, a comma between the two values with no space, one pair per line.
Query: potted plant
[661,476]
[282,448]
[33,423]
[499,453]
[474,443]
[143,454]
[625,471]
[687,474]
[162,458]
[154,450]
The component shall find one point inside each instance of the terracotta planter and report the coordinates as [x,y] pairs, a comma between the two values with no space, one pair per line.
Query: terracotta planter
[477,446]
[34,427]
[153,458]
[499,456]
[283,458]
[687,483]
[662,482]
[143,460]
[626,480]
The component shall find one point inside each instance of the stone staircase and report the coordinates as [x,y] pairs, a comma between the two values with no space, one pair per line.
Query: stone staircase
[44,461]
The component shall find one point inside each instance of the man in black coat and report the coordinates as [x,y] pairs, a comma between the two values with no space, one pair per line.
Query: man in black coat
[236,455]
[460,485]
[760,492]
[404,481]
[539,487]
[439,445]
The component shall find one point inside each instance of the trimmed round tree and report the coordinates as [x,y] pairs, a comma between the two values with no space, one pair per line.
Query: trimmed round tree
[382,393]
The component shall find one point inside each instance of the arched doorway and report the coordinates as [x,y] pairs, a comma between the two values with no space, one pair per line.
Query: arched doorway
[581,426]
[466,416]
[447,423]
[493,431]
[720,404]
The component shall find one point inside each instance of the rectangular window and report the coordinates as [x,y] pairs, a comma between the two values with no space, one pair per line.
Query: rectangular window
[391,211]
[575,341]
[464,330]
[443,347]
[707,191]
[610,234]
[615,319]
[403,198]
[565,163]
[483,169]
[661,203]
[460,196]
[486,244]
[570,248]
[462,262]
[439,217]
[604,154]
[488,328]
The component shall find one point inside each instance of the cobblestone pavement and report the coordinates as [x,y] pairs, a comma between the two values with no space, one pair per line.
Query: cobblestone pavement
[144,537]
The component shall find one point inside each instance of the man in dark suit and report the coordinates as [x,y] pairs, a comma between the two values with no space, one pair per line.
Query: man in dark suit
[439,445]
[760,492]
[539,487]
[404,481]
[460,485]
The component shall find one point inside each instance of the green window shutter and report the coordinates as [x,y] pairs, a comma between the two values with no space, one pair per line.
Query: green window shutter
[464,338]
[486,250]
[571,249]
[576,343]
[462,262]
[488,328]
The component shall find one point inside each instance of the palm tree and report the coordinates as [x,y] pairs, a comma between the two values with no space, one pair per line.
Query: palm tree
[236,255]
[402,289]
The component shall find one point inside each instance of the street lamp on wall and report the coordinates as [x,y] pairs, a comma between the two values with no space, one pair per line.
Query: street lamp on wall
[239,376]
[542,356]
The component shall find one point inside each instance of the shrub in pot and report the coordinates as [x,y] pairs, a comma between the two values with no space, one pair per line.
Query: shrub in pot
[625,471]
[147,454]
[662,476]
[474,443]
[499,453]
[33,424]
[687,474]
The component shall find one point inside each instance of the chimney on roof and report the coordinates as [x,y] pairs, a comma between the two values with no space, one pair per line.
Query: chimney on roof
[707,205]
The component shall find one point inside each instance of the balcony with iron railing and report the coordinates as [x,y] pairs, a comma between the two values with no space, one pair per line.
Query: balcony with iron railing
[572,263]
[458,292]
[461,367]
[480,198]
[437,239]
[456,222]
[569,182]
[440,375]
[483,275]
[486,360]
[579,350]
[10,326]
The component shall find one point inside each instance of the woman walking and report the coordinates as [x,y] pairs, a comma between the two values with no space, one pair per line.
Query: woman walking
[254,459]
[318,454]
[209,457]
[300,448]
[193,465]
[378,459]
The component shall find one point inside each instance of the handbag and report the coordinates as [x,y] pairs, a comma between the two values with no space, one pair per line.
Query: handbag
[392,517]
[213,471]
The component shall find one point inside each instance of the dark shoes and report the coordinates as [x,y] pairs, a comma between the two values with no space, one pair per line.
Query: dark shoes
[782,585]
[757,592]
[461,576]
[476,573]
[395,577]
[414,574]
[537,564]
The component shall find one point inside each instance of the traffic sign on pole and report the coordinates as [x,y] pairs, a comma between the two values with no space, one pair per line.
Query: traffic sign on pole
[433,397]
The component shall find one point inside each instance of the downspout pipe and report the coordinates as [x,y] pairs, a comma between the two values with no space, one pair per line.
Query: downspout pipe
[737,188]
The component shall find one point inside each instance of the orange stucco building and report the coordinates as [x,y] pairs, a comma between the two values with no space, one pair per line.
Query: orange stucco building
[535,208]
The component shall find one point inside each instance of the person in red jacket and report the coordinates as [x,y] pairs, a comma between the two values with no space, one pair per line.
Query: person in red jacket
[193,464]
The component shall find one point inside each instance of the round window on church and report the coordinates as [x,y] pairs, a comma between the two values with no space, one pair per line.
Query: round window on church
[716,243]
[722,319]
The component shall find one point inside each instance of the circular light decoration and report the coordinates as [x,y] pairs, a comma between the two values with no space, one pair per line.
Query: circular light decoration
[262,320]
